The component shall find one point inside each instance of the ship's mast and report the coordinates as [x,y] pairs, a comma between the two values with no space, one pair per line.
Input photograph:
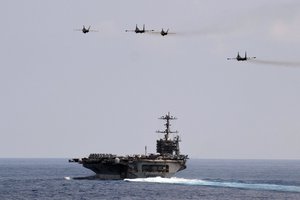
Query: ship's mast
[167,146]
[167,131]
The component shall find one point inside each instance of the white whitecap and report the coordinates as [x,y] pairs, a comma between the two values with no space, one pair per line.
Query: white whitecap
[199,182]
[67,178]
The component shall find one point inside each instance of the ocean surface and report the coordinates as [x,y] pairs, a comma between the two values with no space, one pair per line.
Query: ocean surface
[203,179]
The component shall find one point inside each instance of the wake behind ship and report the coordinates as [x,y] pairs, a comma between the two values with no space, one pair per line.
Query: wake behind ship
[165,163]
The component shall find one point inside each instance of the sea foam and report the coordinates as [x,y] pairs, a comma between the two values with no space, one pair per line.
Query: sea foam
[199,182]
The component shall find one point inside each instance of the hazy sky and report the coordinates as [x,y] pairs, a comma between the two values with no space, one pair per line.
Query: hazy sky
[68,94]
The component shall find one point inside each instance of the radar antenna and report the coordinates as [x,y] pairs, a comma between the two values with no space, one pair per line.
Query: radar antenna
[167,146]
[167,131]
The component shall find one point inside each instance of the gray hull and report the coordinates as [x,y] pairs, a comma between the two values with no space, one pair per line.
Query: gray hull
[136,169]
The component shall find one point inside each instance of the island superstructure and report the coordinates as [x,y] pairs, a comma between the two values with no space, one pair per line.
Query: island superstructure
[164,163]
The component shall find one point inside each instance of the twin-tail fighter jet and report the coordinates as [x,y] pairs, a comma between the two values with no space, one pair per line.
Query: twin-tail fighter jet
[164,33]
[240,58]
[86,30]
[137,30]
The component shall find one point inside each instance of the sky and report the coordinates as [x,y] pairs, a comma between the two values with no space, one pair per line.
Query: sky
[68,94]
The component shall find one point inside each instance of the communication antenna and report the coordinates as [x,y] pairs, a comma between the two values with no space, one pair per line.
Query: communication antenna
[167,131]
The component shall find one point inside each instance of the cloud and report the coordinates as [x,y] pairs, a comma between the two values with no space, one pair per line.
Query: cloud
[286,29]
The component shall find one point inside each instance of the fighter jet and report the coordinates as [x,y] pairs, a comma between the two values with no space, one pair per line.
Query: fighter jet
[163,32]
[86,30]
[239,58]
[137,30]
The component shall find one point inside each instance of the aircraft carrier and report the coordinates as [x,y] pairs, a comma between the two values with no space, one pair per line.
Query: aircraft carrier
[164,163]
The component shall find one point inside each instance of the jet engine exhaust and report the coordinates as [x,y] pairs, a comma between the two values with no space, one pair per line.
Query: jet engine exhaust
[275,63]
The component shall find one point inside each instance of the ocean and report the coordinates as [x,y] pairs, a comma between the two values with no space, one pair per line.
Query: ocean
[203,179]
